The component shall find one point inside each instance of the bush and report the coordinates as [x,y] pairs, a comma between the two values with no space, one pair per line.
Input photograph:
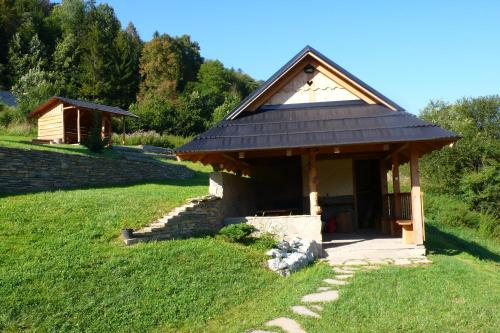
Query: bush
[452,211]
[236,232]
[482,189]
[266,241]
[151,138]
[94,142]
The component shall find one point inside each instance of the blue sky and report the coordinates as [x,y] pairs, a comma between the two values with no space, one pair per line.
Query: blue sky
[411,51]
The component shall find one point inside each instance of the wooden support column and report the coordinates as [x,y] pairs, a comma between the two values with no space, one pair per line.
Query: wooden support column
[396,190]
[315,209]
[416,199]
[78,125]
[383,185]
[123,130]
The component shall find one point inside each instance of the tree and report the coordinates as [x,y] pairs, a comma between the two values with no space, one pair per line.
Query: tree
[470,168]
[230,102]
[33,88]
[98,53]
[126,77]
[166,65]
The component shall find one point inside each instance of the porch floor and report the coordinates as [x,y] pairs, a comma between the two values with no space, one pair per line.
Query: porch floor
[368,248]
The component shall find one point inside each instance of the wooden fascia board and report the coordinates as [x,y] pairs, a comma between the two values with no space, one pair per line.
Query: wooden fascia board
[349,84]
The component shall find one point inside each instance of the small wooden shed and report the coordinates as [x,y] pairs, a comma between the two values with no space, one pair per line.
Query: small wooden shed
[315,140]
[65,120]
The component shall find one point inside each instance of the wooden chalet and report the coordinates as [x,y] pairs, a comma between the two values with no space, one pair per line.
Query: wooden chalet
[65,120]
[315,140]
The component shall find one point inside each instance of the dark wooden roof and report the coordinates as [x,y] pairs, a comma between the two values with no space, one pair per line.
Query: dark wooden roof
[314,125]
[81,104]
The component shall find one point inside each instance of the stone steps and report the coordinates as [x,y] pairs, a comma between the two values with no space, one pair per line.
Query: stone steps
[199,215]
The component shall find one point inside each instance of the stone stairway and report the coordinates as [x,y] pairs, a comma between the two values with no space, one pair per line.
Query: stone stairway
[197,216]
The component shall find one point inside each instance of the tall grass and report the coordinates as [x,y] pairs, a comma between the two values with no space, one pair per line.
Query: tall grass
[18,128]
[150,138]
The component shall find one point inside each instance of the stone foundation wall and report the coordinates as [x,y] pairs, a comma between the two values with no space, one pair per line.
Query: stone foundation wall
[197,217]
[237,193]
[307,227]
[23,170]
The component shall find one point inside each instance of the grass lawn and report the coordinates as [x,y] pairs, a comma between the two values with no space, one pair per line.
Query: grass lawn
[63,268]
[24,142]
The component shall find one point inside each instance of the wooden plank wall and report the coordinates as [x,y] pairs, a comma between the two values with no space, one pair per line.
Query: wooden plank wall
[50,124]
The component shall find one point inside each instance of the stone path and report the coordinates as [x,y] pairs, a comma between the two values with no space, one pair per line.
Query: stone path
[312,304]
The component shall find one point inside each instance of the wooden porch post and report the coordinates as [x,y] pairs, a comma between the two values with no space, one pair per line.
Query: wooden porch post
[103,125]
[315,209]
[78,125]
[416,200]
[396,190]
[383,185]
[123,130]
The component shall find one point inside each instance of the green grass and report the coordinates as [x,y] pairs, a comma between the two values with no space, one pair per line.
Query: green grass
[24,142]
[64,269]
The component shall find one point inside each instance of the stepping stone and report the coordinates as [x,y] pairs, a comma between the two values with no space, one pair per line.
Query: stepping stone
[421,261]
[261,331]
[344,277]
[317,307]
[335,282]
[371,267]
[355,262]
[402,262]
[379,261]
[324,288]
[286,324]
[325,296]
[343,271]
[303,311]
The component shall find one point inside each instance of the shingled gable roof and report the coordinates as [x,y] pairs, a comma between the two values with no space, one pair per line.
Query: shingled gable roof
[80,104]
[314,124]
[308,50]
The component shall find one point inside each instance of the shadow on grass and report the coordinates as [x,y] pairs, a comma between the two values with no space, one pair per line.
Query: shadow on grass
[440,242]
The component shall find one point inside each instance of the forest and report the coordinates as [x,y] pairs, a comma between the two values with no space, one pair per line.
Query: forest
[78,49]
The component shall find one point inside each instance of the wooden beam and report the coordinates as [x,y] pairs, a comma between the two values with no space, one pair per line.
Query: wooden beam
[383,185]
[397,151]
[315,209]
[78,125]
[123,130]
[396,190]
[416,200]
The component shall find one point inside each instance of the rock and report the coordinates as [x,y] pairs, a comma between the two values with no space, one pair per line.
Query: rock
[273,264]
[324,296]
[335,282]
[284,246]
[286,324]
[304,311]
[290,257]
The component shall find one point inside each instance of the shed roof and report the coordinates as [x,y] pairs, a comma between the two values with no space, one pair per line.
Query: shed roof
[80,104]
[314,125]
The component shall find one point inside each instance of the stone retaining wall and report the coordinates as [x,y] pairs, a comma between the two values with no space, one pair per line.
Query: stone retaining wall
[197,217]
[24,170]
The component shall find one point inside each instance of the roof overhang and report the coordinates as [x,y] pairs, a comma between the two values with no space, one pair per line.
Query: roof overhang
[82,105]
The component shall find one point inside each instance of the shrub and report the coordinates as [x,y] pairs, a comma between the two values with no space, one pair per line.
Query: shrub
[94,142]
[482,189]
[236,232]
[264,242]
[452,211]
[151,138]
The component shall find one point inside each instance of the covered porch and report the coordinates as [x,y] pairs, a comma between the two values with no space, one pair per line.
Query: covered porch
[345,184]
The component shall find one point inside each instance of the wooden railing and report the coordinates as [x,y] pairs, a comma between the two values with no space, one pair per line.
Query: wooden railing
[405,202]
